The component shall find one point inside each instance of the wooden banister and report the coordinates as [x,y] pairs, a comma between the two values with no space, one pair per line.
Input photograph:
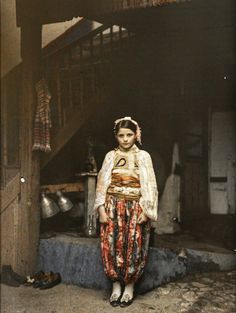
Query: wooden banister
[79,76]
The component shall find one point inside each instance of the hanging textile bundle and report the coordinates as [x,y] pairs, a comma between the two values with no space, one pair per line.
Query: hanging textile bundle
[42,122]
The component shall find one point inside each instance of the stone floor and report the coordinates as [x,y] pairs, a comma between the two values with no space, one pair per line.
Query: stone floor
[203,292]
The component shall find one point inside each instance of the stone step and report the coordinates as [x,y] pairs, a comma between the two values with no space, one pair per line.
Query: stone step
[79,262]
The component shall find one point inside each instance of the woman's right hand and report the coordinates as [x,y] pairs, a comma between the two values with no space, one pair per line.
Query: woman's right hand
[103,217]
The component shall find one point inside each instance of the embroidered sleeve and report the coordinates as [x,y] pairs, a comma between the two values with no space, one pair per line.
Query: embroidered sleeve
[104,180]
[149,192]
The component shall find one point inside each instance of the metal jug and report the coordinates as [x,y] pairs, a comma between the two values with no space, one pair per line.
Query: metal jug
[64,203]
[48,207]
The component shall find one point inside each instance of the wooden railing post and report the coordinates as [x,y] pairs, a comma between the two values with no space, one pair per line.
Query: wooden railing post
[81,79]
[111,38]
[58,93]
[29,213]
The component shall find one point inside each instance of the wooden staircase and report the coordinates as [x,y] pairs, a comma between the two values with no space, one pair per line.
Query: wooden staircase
[79,76]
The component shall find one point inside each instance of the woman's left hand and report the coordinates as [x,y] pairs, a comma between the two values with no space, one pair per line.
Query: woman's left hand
[142,218]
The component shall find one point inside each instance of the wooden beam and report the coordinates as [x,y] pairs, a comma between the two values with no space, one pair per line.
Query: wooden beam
[29,213]
[67,187]
[52,11]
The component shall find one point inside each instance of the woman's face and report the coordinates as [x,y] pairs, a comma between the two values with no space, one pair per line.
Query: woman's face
[126,138]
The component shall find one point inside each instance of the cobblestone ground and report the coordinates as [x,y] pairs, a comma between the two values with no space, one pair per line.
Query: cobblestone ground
[205,292]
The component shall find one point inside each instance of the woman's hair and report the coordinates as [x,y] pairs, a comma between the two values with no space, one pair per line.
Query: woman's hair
[125,124]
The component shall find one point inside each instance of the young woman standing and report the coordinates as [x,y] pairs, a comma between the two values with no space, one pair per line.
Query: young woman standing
[126,201]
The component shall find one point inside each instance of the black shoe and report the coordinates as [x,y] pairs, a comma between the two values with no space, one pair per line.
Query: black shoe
[6,277]
[54,279]
[115,302]
[20,279]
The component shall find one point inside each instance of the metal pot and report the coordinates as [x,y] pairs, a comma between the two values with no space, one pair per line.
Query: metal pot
[64,203]
[48,207]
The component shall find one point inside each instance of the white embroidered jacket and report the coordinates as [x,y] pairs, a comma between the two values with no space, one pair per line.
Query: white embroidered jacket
[149,193]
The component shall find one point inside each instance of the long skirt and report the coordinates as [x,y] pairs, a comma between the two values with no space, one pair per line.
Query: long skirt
[124,242]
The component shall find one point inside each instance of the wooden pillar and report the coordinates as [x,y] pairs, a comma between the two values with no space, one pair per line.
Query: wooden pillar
[29,212]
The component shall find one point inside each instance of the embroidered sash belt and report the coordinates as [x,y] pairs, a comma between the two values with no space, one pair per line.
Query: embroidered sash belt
[125,187]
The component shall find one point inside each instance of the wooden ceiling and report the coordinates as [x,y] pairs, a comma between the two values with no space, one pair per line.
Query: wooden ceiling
[52,11]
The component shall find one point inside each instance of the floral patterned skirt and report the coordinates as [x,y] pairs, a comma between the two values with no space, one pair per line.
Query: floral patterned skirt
[124,242]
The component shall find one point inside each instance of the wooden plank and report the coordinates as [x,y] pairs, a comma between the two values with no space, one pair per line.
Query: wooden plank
[10,193]
[9,230]
[10,172]
[4,123]
[67,187]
